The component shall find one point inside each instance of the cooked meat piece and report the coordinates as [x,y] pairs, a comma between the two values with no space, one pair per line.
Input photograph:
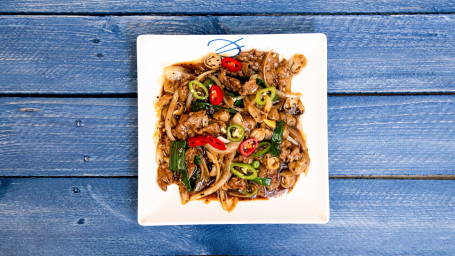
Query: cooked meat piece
[196,119]
[288,119]
[237,183]
[190,153]
[284,76]
[275,183]
[165,145]
[249,122]
[271,174]
[232,84]
[249,87]
[295,155]
[222,115]
[213,129]
[273,114]
[251,61]
[285,150]
[294,106]
[183,90]
[165,176]
[261,134]
[181,130]
[243,159]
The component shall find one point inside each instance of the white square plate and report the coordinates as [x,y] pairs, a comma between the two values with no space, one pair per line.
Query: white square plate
[307,203]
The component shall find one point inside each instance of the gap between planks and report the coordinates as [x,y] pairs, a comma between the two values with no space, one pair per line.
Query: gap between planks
[333,177]
[101,14]
[134,95]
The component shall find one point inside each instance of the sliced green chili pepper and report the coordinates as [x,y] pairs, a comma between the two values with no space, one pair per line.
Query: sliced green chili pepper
[196,93]
[262,181]
[250,194]
[263,151]
[177,162]
[246,168]
[256,164]
[235,132]
[198,105]
[275,141]
[260,100]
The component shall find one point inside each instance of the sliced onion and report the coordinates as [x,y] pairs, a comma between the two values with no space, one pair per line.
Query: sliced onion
[169,115]
[297,136]
[217,185]
[201,76]
[268,104]
[204,168]
[289,138]
[230,147]
[188,101]
[227,203]
[226,101]
[223,139]
[288,94]
[216,165]
[265,65]
[214,79]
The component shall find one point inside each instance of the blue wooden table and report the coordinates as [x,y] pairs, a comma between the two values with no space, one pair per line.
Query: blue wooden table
[68,126]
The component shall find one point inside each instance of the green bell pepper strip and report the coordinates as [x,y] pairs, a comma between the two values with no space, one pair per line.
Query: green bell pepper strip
[233,134]
[253,193]
[256,164]
[197,94]
[262,100]
[248,168]
[275,141]
[261,152]
[177,162]
[262,181]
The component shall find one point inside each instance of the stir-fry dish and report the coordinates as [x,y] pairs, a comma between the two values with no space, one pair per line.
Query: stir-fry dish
[228,128]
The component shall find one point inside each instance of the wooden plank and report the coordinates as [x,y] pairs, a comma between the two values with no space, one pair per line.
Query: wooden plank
[83,55]
[387,135]
[368,217]
[224,7]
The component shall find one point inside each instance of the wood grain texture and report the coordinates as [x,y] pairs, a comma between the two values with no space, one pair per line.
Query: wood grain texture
[98,216]
[387,135]
[83,55]
[223,7]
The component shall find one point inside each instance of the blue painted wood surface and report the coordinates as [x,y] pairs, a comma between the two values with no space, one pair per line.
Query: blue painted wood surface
[89,216]
[224,7]
[377,135]
[366,54]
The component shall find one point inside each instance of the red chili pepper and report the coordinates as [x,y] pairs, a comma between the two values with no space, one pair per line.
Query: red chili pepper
[216,95]
[231,64]
[197,141]
[216,143]
[248,146]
